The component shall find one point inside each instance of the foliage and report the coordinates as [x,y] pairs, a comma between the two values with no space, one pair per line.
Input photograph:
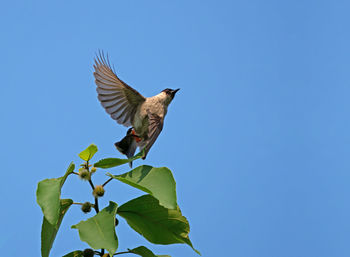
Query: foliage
[156,216]
[99,231]
[158,182]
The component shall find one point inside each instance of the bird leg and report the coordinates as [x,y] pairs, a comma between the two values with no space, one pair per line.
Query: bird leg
[136,137]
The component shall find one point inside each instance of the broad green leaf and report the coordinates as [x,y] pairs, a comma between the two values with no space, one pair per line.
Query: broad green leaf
[88,153]
[114,162]
[145,252]
[99,231]
[48,196]
[156,223]
[74,254]
[49,232]
[158,182]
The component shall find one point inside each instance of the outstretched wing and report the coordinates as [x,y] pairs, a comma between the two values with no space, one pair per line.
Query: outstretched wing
[154,128]
[119,100]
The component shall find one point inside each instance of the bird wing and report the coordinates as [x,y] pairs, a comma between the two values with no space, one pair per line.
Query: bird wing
[154,128]
[119,100]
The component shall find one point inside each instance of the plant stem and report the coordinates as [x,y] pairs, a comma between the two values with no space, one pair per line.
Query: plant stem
[107,182]
[97,253]
[122,253]
[96,200]
[91,184]
[96,205]
[78,203]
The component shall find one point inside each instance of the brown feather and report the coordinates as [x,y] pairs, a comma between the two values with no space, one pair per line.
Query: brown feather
[119,99]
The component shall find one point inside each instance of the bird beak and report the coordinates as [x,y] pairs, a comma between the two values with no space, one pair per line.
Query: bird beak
[174,92]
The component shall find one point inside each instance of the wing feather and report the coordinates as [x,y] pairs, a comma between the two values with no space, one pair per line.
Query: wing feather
[123,114]
[111,94]
[109,99]
[119,100]
[154,128]
[116,107]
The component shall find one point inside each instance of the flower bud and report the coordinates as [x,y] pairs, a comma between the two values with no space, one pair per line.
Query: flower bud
[98,191]
[84,174]
[93,169]
[88,252]
[86,207]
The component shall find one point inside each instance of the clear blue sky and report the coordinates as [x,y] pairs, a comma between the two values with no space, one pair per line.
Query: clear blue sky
[258,138]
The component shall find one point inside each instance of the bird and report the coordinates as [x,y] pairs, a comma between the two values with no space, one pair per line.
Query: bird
[144,115]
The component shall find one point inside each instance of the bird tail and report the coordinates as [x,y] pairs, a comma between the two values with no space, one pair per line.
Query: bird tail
[127,146]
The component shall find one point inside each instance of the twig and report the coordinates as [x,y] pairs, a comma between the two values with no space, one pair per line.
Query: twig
[91,184]
[96,205]
[107,182]
[78,203]
[96,200]
[122,253]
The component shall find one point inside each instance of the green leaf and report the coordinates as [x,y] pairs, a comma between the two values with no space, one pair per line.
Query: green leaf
[158,182]
[74,254]
[114,162]
[88,153]
[48,196]
[49,231]
[157,224]
[99,231]
[145,252]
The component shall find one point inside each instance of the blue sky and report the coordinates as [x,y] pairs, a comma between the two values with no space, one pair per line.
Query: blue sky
[258,137]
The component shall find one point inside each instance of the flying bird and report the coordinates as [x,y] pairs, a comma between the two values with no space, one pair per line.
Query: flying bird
[144,115]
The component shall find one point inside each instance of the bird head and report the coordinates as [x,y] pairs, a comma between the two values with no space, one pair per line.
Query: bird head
[170,92]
